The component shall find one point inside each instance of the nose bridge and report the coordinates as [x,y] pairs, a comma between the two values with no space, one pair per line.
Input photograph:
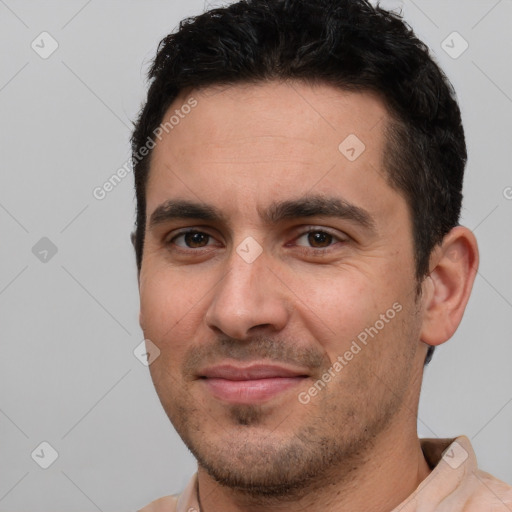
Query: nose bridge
[248,296]
[241,283]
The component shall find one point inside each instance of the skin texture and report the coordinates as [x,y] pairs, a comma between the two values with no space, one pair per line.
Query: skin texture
[301,303]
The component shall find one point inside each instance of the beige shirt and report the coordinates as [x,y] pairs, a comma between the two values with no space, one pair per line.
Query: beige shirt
[455,484]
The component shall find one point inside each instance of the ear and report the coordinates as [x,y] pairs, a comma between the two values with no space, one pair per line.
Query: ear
[132,239]
[141,319]
[446,290]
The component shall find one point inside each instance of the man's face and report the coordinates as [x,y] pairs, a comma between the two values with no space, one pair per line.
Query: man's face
[279,253]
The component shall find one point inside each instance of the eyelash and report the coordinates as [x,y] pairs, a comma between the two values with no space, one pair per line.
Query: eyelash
[302,249]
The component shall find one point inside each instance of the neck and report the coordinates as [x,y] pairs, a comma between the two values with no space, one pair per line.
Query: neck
[378,482]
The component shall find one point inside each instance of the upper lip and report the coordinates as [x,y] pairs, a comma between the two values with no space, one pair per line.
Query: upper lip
[249,372]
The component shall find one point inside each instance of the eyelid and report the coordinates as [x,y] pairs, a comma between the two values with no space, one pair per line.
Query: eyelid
[169,239]
[320,229]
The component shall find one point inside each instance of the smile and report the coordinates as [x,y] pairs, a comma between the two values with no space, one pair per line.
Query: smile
[252,384]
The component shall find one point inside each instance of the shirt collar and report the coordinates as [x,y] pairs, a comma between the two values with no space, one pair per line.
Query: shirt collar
[451,460]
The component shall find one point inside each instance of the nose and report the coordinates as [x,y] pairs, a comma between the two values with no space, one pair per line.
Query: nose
[249,298]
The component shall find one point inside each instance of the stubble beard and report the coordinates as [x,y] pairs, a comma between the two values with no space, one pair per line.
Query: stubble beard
[287,463]
[261,454]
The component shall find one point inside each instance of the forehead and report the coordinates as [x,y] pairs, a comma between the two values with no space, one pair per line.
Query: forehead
[227,114]
[267,140]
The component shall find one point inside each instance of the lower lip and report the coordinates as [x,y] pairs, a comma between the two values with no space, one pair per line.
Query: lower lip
[250,391]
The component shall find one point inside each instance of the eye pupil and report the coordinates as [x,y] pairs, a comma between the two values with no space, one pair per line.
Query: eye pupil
[196,239]
[319,239]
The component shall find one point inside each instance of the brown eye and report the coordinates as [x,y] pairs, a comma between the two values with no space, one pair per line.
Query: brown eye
[196,239]
[191,240]
[316,239]
[319,239]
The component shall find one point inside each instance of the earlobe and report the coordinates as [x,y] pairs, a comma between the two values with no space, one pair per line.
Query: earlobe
[447,288]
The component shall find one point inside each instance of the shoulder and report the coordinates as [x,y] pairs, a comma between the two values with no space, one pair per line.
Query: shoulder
[166,504]
[490,492]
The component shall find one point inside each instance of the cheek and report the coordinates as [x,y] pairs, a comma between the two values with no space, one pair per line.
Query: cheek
[167,325]
[338,306]
[353,309]
[173,305]
[164,306]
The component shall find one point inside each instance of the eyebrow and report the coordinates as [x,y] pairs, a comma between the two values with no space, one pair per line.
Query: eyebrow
[319,206]
[304,207]
[183,209]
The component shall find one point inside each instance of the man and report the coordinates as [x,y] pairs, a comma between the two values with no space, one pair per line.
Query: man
[298,171]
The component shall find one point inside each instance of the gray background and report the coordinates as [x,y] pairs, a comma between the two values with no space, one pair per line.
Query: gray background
[69,325]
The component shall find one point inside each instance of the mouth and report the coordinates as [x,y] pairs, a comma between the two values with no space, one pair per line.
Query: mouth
[255,383]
